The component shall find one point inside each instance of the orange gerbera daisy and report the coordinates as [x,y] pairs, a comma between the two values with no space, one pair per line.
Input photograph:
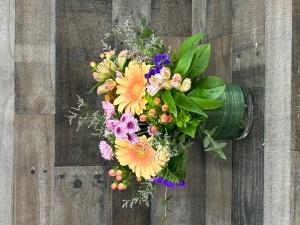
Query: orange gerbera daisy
[141,158]
[131,88]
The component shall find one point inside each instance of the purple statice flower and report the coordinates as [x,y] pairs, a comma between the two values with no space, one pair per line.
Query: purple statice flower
[120,131]
[109,109]
[111,124]
[161,59]
[133,138]
[106,150]
[167,183]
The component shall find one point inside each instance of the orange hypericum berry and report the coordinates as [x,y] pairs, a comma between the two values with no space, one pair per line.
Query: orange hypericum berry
[143,118]
[164,118]
[121,186]
[112,172]
[165,108]
[153,129]
[114,186]
[119,177]
[119,172]
[157,101]
[152,112]
[170,118]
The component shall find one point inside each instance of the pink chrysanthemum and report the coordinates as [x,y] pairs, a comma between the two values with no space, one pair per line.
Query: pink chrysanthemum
[106,150]
[133,138]
[120,131]
[111,124]
[109,109]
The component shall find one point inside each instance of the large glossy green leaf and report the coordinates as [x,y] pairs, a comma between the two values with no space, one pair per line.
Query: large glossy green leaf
[212,93]
[184,62]
[191,128]
[168,99]
[189,43]
[186,103]
[200,61]
[208,103]
[210,82]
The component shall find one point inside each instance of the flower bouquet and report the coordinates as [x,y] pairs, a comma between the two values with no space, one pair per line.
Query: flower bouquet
[155,101]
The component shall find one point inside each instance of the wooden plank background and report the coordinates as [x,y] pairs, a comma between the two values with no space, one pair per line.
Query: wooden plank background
[58,175]
[7,98]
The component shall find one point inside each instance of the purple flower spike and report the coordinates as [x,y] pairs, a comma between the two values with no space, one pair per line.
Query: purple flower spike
[161,59]
[181,183]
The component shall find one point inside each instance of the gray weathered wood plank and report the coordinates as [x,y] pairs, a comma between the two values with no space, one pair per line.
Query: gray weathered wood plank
[33,169]
[295,188]
[219,172]
[82,196]
[35,70]
[7,98]
[278,143]
[80,26]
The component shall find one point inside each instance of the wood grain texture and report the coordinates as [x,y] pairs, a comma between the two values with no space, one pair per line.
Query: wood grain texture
[295,188]
[33,169]
[7,98]
[296,76]
[80,26]
[35,71]
[219,172]
[278,142]
[82,196]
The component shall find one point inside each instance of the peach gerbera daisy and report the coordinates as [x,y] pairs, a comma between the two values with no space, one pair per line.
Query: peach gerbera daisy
[131,88]
[141,158]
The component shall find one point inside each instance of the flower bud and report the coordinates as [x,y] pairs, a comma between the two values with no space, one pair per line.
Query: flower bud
[119,177]
[177,77]
[157,101]
[152,112]
[92,64]
[152,130]
[114,186]
[110,84]
[152,89]
[121,186]
[112,173]
[119,173]
[167,85]
[143,118]
[165,108]
[122,59]
[186,85]
[101,89]
[170,118]
[166,73]
[164,118]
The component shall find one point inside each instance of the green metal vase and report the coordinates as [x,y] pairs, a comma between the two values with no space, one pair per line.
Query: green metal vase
[234,119]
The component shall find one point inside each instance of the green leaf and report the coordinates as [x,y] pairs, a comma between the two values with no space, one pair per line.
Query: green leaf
[221,145]
[200,61]
[208,103]
[212,131]
[206,142]
[191,128]
[186,103]
[189,43]
[168,99]
[212,93]
[146,33]
[222,155]
[184,62]
[210,82]
[210,149]
[92,89]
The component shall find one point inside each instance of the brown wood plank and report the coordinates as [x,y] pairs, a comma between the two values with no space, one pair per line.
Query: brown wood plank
[7,98]
[278,119]
[35,70]
[33,169]
[80,26]
[82,196]
[219,172]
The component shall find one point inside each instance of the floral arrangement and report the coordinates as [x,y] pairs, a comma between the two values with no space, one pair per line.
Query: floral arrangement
[155,100]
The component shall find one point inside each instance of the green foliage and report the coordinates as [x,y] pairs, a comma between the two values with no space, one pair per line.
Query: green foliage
[186,103]
[191,128]
[175,170]
[200,61]
[190,43]
[210,145]
[183,118]
[168,99]
[184,62]
[209,82]
[94,87]
[207,103]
